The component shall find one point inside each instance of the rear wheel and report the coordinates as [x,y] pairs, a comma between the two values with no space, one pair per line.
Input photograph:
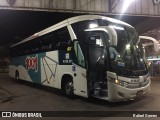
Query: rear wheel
[17,75]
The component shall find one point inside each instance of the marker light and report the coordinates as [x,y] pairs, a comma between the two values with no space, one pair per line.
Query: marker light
[93,25]
[35,35]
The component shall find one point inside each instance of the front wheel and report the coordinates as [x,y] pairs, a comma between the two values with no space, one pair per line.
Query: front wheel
[69,88]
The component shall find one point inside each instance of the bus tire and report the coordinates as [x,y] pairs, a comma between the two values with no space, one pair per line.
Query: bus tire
[67,86]
[17,75]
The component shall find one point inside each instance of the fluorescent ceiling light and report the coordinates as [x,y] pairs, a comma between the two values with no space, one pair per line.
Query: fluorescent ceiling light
[126,4]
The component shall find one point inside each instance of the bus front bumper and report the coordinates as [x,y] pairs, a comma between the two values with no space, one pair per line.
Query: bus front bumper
[120,93]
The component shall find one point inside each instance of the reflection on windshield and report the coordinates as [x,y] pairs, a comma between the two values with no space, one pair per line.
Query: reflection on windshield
[126,53]
[130,56]
[138,60]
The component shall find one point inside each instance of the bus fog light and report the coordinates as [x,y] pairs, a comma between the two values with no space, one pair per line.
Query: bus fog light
[121,94]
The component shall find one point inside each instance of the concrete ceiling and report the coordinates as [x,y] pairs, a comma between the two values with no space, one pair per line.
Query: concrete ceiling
[17,25]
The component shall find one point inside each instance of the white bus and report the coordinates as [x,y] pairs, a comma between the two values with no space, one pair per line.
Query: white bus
[88,56]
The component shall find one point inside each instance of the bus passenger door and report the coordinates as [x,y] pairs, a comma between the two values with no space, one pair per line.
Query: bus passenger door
[96,66]
[78,67]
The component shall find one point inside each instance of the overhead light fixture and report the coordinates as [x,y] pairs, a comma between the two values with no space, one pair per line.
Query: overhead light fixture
[126,4]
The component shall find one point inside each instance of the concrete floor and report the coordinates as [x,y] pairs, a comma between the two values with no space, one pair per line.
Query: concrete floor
[22,96]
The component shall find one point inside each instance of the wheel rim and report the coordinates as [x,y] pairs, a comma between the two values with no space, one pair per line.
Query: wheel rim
[69,88]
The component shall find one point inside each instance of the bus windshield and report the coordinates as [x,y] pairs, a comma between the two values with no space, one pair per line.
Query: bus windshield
[127,56]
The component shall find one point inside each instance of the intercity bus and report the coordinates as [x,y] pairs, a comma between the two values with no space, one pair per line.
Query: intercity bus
[88,55]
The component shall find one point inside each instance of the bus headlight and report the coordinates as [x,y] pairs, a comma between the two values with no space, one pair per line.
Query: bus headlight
[121,83]
[117,82]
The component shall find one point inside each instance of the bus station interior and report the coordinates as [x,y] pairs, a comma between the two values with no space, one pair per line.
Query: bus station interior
[20,20]
[29,24]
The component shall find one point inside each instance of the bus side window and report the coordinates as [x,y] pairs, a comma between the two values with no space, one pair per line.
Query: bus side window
[79,54]
[47,47]
[62,37]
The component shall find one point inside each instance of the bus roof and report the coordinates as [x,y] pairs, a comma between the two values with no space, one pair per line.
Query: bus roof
[68,22]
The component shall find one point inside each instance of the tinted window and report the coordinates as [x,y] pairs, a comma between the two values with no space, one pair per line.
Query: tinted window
[55,40]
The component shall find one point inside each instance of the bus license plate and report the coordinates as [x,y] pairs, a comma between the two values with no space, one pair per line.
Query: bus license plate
[139,92]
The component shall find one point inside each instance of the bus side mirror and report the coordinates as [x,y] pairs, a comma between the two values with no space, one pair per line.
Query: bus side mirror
[74,40]
[112,36]
[69,45]
[155,42]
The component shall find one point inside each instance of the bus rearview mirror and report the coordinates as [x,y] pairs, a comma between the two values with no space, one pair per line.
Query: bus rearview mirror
[112,36]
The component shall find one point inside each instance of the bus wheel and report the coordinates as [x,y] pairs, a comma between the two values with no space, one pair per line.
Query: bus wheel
[69,88]
[17,75]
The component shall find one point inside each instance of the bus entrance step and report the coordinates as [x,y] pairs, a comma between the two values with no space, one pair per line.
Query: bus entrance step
[98,88]
[103,92]
[100,92]
[103,84]
[100,97]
